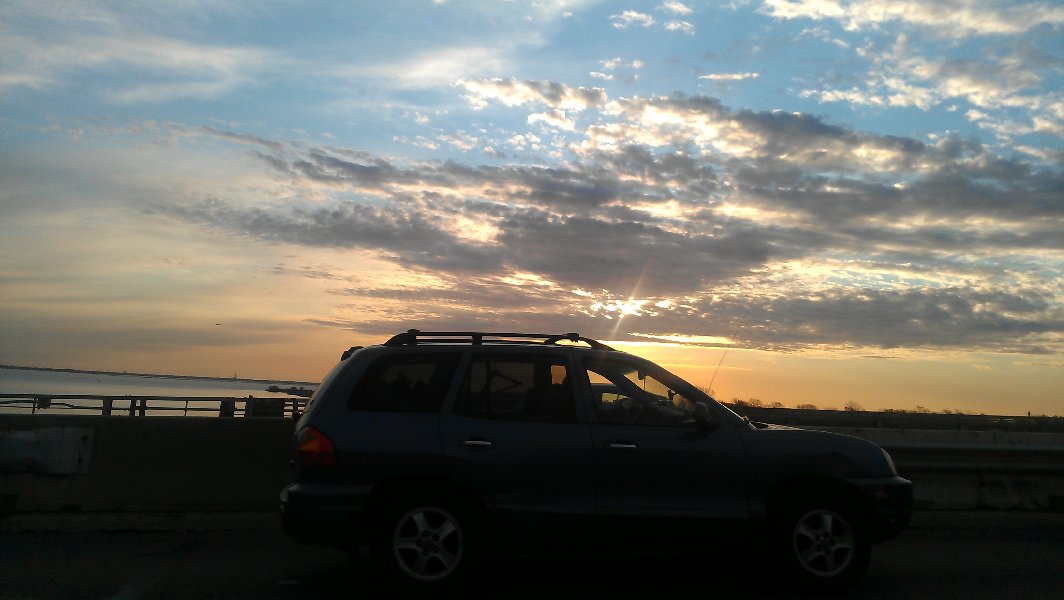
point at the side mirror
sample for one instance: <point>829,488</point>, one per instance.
<point>704,419</point>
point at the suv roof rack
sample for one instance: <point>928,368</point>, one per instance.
<point>413,337</point>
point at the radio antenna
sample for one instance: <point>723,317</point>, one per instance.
<point>714,378</point>
<point>731,336</point>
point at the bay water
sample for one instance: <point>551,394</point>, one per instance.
<point>32,382</point>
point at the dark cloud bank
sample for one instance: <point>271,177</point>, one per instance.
<point>932,245</point>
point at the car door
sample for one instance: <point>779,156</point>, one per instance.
<point>517,435</point>
<point>660,474</point>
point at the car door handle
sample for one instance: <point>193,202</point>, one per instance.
<point>478,444</point>
<point>622,446</point>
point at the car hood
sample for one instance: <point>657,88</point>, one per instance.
<point>778,447</point>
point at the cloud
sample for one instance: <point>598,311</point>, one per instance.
<point>627,256</point>
<point>948,18</point>
<point>462,43</point>
<point>631,18</point>
<point>543,204</point>
<point>918,318</point>
<point>243,137</point>
<point>511,92</point>
<point>68,44</point>
<point>553,118</point>
<point>589,252</point>
<point>686,217</point>
<point>680,26</point>
<point>405,235</point>
<point>777,161</point>
<point>436,67</point>
<point>1000,88</point>
<point>703,123</point>
<point>677,8</point>
<point>170,69</point>
<point>922,319</point>
<point>729,76</point>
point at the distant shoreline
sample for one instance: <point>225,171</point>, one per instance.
<point>155,375</point>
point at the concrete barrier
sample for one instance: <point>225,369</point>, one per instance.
<point>156,464</point>
<point>964,470</point>
<point>96,463</point>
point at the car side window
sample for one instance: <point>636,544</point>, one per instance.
<point>405,383</point>
<point>624,394</point>
<point>517,388</point>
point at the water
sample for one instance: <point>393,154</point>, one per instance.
<point>54,383</point>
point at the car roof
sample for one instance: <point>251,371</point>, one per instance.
<point>415,337</point>
<point>484,339</point>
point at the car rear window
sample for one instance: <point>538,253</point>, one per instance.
<point>405,383</point>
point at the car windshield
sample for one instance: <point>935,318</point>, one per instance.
<point>632,392</point>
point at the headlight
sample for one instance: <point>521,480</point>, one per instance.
<point>890,462</point>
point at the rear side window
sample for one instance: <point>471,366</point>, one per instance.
<point>518,388</point>
<point>405,383</point>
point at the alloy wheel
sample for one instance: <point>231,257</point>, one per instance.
<point>428,543</point>
<point>823,542</point>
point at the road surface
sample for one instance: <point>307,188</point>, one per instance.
<point>944,555</point>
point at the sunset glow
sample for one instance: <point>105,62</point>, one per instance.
<point>859,201</point>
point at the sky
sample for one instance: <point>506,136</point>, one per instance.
<point>798,201</point>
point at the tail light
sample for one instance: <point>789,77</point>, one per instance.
<point>314,449</point>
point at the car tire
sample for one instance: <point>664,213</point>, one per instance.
<point>427,541</point>
<point>821,541</point>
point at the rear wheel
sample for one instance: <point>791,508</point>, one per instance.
<point>822,542</point>
<point>428,542</point>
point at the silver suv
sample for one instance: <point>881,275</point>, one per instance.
<point>436,448</point>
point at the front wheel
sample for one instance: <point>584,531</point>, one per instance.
<point>822,543</point>
<point>427,543</point>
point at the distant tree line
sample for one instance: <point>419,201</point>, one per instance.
<point>851,406</point>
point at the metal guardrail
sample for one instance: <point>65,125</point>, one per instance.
<point>143,406</point>
<point>251,406</point>
<point>797,417</point>
<point>971,476</point>
<point>987,459</point>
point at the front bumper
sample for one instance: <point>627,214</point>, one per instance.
<point>889,502</point>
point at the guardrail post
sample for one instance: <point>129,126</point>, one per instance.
<point>227,408</point>
<point>41,402</point>
<point>143,405</point>
<point>107,404</point>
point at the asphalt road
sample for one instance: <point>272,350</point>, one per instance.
<point>943,555</point>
